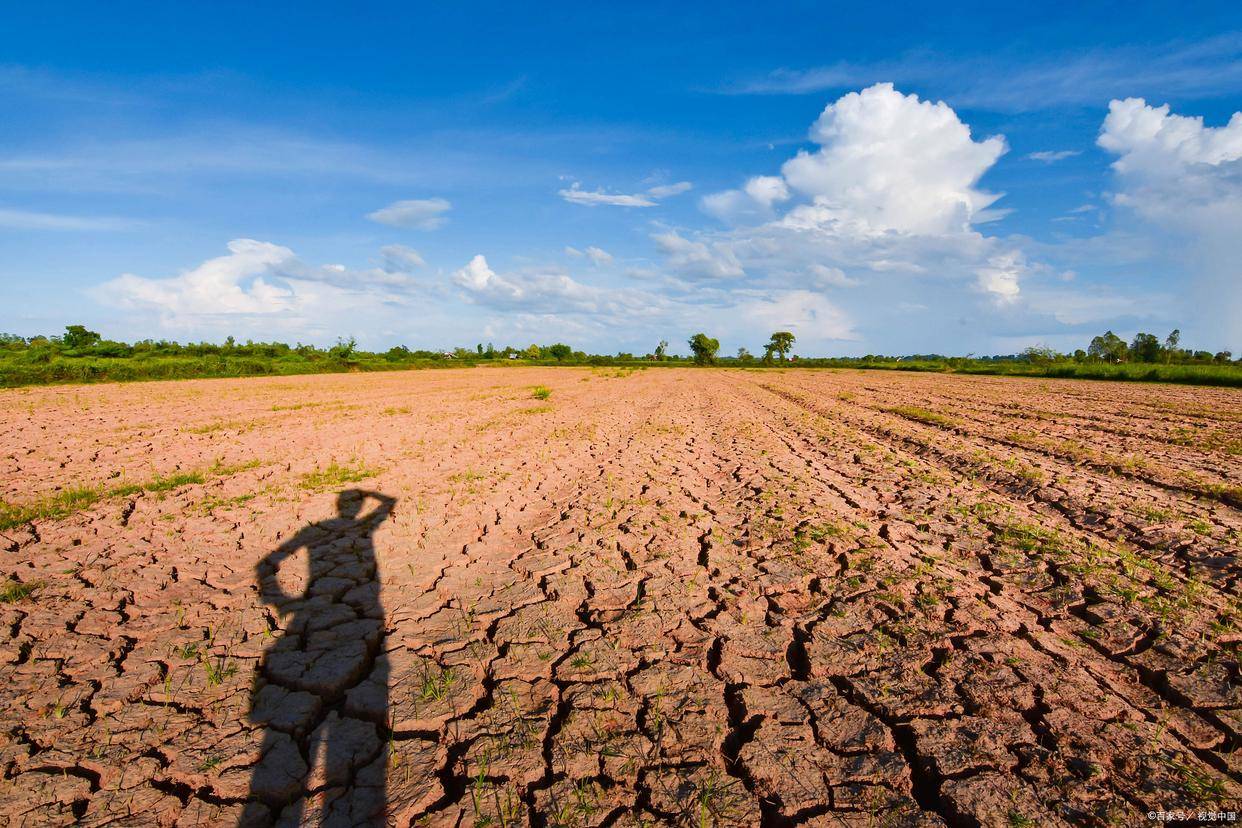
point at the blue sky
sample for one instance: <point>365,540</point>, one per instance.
<point>877,179</point>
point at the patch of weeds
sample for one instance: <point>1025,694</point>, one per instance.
<point>1154,515</point>
<point>218,669</point>
<point>822,531</point>
<point>541,392</point>
<point>1016,819</point>
<point>68,501</point>
<point>335,475</point>
<point>210,763</point>
<point>1199,526</point>
<point>922,415</point>
<point>221,469</point>
<point>714,800</point>
<point>467,476</point>
<point>392,411</point>
<point>1223,492</point>
<point>13,591</point>
<point>1025,471</point>
<point>240,426</point>
<point>173,481</point>
<point>437,686</point>
<point>296,406</point>
<point>1200,786</point>
<point>1029,538</point>
<point>62,504</point>
<point>1129,463</point>
<point>210,504</point>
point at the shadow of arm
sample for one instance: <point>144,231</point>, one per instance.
<point>269,590</point>
<point>382,511</point>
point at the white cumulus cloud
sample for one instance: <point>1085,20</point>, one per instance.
<point>893,162</point>
<point>232,284</point>
<point>891,193</point>
<point>1149,138</point>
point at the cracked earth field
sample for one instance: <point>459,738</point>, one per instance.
<point>656,597</point>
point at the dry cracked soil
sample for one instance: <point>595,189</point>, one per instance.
<point>664,596</point>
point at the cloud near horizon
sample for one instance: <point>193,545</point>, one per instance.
<point>1182,182</point>
<point>259,285</point>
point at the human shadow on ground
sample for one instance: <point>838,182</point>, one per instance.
<point>321,692</point>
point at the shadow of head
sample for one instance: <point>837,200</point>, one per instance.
<point>349,503</point>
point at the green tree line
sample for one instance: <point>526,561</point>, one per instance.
<point>83,355</point>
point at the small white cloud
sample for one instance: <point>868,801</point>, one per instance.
<point>576,195</point>
<point>1148,138</point>
<point>25,220</point>
<point>649,198</point>
<point>667,190</point>
<point>598,256</point>
<point>1052,156</point>
<point>574,253</point>
<point>1001,276</point>
<point>754,202</point>
<point>767,190</point>
<point>416,213</point>
<point>399,258</point>
<point>477,276</point>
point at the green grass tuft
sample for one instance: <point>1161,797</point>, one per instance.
<point>62,504</point>
<point>13,591</point>
<point>337,475</point>
<point>923,415</point>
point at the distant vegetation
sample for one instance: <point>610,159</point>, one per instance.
<point>81,355</point>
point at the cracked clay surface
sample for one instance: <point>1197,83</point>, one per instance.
<point>664,596</point>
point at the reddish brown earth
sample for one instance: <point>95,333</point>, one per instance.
<point>667,596</point>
